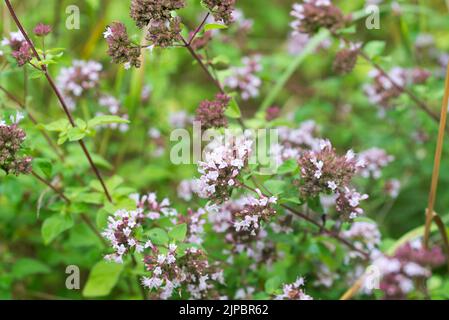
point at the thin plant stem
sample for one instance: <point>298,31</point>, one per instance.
<point>442,228</point>
<point>198,29</point>
<point>437,162</point>
<point>352,291</point>
<point>58,94</point>
<point>51,186</point>
<point>202,65</point>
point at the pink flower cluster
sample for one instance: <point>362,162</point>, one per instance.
<point>20,49</point>
<point>114,108</point>
<point>121,49</point>
<point>294,291</point>
<point>385,89</point>
<point>195,221</point>
<point>375,159</point>
<point>152,209</point>
<point>244,79</point>
<point>12,138</point>
<point>325,172</point>
<point>78,79</point>
<point>315,14</point>
<point>211,114</point>
<point>363,235</point>
<point>120,233</point>
<point>410,263</point>
<point>224,159</point>
<point>175,268</point>
<point>294,142</point>
<point>246,235</point>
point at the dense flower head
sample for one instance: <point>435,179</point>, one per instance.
<point>374,159</point>
<point>120,233</point>
<point>245,235</point>
<point>294,291</point>
<point>312,15</point>
<point>384,89</point>
<point>23,55</point>
<point>190,270</point>
<point>144,11</point>
<point>78,79</point>
<point>12,137</point>
<point>121,50</point>
<point>346,59</point>
<point>410,263</point>
<point>224,159</point>
<point>164,34</point>
<point>244,78</point>
<point>163,28</point>
<point>42,30</point>
<point>211,114</point>
<point>222,10</point>
<point>253,212</point>
<point>324,171</point>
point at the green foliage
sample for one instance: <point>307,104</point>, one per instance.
<point>102,279</point>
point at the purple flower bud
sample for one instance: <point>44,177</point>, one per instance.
<point>211,113</point>
<point>42,30</point>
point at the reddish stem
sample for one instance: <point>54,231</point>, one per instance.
<point>44,69</point>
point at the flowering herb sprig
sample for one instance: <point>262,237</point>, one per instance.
<point>12,138</point>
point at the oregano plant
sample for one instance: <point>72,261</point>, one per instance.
<point>174,149</point>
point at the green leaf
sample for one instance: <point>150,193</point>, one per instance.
<point>80,123</point>
<point>214,26</point>
<point>105,119</point>
<point>75,134</point>
<point>58,125</point>
<point>158,236</point>
<point>26,266</point>
<point>374,48</point>
<point>272,284</point>
<point>54,226</point>
<point>294,200</point>
<point>102,279</point>
<point>43,166</point>
<point>288,166</point>
<point>233,110</point>
<point>275,186</point>
<point>315,204</point>
<point>178,232</point>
